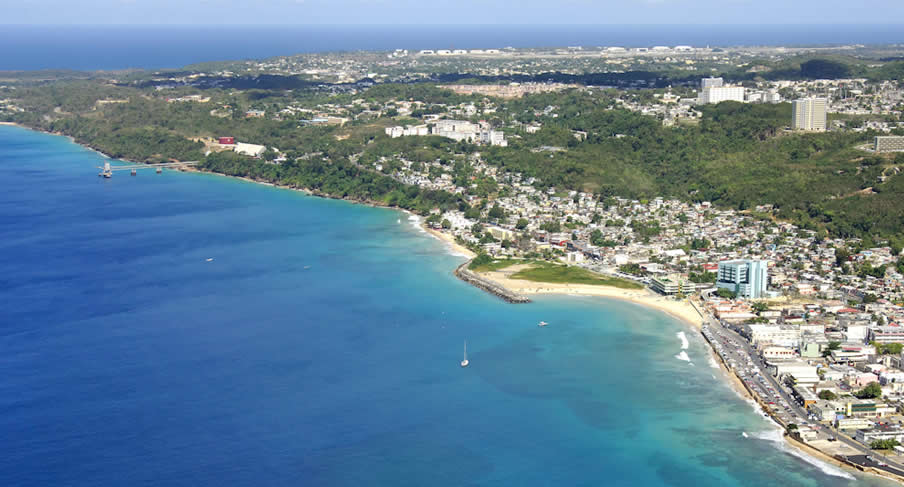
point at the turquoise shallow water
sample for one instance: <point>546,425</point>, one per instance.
<point>320,346</point>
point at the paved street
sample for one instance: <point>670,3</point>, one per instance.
<point>744,360</point>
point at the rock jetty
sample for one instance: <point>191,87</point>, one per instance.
<point>487,285</point>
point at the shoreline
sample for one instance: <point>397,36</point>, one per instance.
<point>450,240</point>
<point>684,311</point>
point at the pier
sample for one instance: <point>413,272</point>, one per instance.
<point>107,169</point>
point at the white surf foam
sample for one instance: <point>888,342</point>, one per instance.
<point>683,356</point>
<point>713,363</point>
<point>756,407</point>
<point>744,434</point>
<point>775,436</point>
<point>684,343</point>
<point>416,222</point>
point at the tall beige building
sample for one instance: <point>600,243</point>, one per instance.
<point>808,114</point>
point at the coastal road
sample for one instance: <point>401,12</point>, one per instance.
<point>870,461</point>
<point>738,351</point>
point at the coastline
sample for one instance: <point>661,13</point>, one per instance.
<point>681,310</point>
<point>450,240</point>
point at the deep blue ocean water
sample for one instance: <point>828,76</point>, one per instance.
<point>28,47</point>
<point>321,347</point>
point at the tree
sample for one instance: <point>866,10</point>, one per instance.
<point>888,348</point>
<point>596,237</point>
<point>871,391</point>
<point>791,427</point>
<point>841,256</point>
<point>884,444</point>
<point>480,260</point>
<point>522,223</point>
<point>446,224</point>
<point>870,298</point>
<point>496,212</point>
<point>727,294</point>
<point>827,395</point>
<point>760,307</point>
<point>633,269</point>
<point>831,347</point>
<point>702,277</point>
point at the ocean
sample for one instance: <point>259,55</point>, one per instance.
<point>105,47</point>
<point>192,329</point>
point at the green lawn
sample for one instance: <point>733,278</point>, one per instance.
<point>544,272</point>
<point>495,265</point>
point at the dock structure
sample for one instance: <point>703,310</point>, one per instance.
<point>107,169</point>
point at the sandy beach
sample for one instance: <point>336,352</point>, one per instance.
<point>449,239</point>
<point>679,309</point>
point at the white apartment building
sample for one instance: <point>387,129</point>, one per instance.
<point>808,114</point>
<point>710,83</point>
<point>717,94</point>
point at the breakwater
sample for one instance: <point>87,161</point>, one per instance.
<point>487,285</point>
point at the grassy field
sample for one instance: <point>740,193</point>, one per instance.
<point>495,265</point>
<point>545,272</point>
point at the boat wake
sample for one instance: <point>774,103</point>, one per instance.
<point>684,343</point>
<point>775,436</point>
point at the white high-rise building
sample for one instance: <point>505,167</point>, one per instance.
<point>716,94</point>
<point>746,278</point>
<point>808,114</point>
<point>710,83</point>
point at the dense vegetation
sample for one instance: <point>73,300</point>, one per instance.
<point>738,155</point>
<point>336,178</point>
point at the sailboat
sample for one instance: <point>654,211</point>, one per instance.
<point>464,363</point>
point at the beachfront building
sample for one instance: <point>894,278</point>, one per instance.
<point>808,114</point>
<point>672,284</point>
<point>746,278</point>
<point>777,335</point>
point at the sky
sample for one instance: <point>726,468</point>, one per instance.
<point>244,12</point>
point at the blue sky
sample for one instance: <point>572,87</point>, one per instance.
<point>219,12</point>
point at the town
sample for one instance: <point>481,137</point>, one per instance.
<point>811,322</point>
